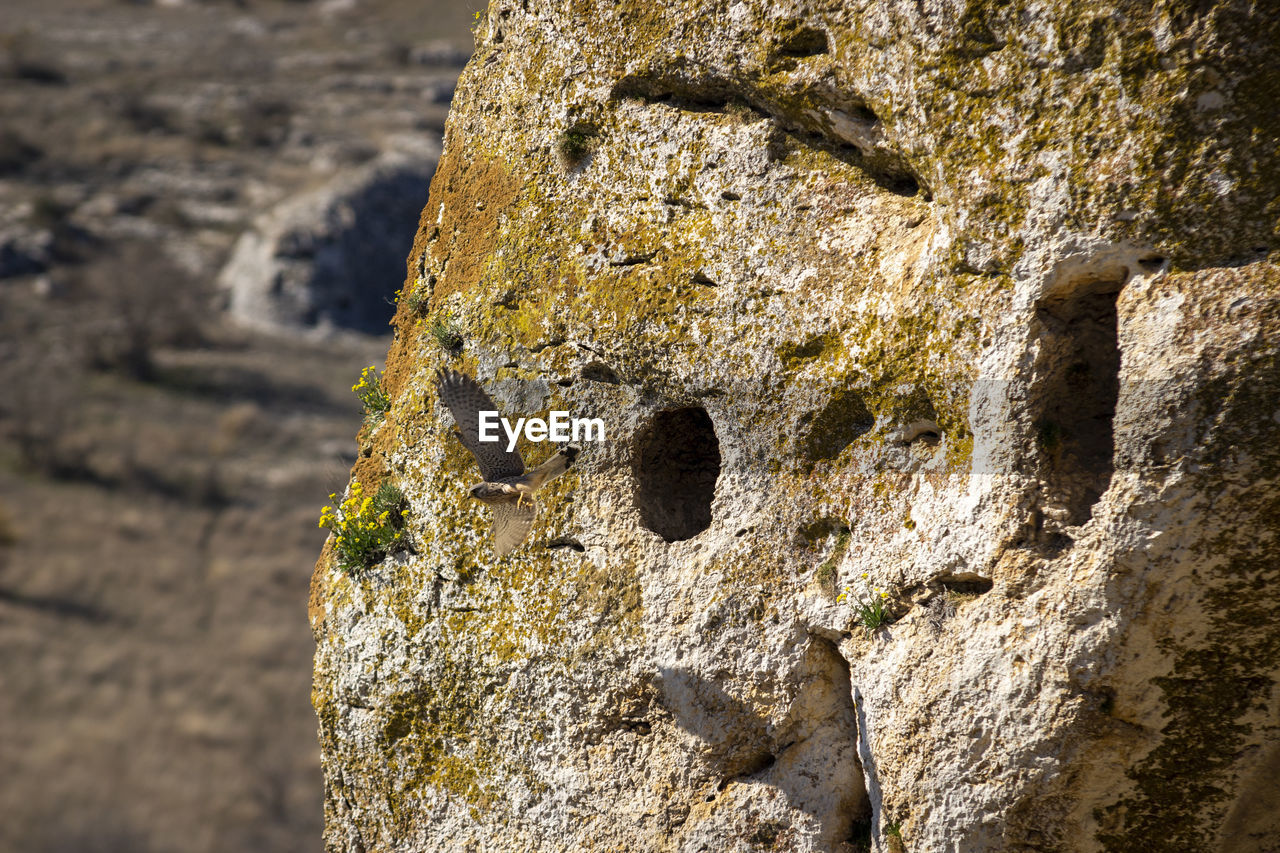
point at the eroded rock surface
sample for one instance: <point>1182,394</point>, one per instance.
<point>972,304</point>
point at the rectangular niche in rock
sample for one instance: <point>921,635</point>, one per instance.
<point>1073,398</point>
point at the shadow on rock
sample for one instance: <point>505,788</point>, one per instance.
<point>809,755</point>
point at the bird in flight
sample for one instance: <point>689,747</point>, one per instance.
<point>506,487</point>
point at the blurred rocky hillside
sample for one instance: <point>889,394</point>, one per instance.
<point>204,212</point>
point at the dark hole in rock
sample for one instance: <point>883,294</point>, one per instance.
<point>598,371</point>
<point>965,583</point>
<point>860,832</point>
<point>889,172</point>
<point>566,542</point>
<point>701,95</point>
<point>853,820</point>
<point>841,421</point>
<point>804,41</point>
<point>702,278</point>
<point>730,196</point>
<point>1152,263</point>
<point>862,112</point>
<point>904,185</point>
<point>1078,376</point>
<point>759,764</point>
<point>922,431</point>
<point>677,463</point>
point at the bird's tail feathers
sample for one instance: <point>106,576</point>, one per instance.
<point>555,466</point>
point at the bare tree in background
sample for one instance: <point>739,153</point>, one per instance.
<point>140,300</point>
<point>109,314</point>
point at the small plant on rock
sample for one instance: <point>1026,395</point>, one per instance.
<point>574,145</point>
<point>366,527</point>
<point>417,298</point>
<point>371,393</point>
<point>827,572</point>
<point>893,837</point>
<point>446,333</point>
<point>869,607</point>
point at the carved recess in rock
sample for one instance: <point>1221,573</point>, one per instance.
<point>1075,387</point>
<point>677,463</point>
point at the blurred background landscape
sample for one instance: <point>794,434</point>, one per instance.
<point>205,209</point>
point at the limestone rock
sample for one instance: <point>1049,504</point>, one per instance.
<point>971,306</point>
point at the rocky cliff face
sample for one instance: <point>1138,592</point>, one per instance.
<point>969,309</point>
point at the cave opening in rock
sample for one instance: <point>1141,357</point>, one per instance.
<point>677,463</point>
<point>1078,379</point>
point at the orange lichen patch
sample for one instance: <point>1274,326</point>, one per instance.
<point>459,226</point>
<point>399,368</point>
<point>319,593</point>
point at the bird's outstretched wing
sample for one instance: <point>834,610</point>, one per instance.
<point>466,399</point>
<point>511,524</point>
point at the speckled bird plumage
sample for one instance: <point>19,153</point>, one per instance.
<point>506,487</point>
